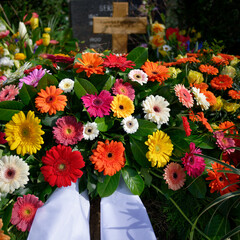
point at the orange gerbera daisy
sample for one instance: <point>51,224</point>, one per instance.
<point>220,60</point>
<point>50,101</point>
<point>208,69</point>
<point>234,94</point>
<point>90,63</point>
<point>226,56</point>
<point>204,121</point>
<point>220,180</point>
<point>156,72</point>
<point>192,116</point>
<point>221,82</point>
<point>228,127</point>
<point>108,157</point>
<point>202,86</point>
<point>169,64</point>
<point>188,59</point>
<point>210,97</point>
<point>194,55</point>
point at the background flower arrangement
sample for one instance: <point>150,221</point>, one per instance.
<point>170,126</point>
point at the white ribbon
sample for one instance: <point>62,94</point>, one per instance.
<point>64,216</point>
<point>124,217</point>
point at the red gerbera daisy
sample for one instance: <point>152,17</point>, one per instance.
<point>234,94</point>
<point>220,180</point>
<point>121,62</point>
<point>62,166</point>
<point>156,72</point>
<point>60,58</point>
<point>221,82</point>
<point>186,126</point>
<point>32,68</point>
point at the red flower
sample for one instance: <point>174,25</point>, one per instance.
<point>2,139</point>
<point>233,156</point>
<point>171,31</point>
<point>32,68</point>
<point>57,58</point>
<point>186,126</point>
<point>114,61</point>
<point>62,166</point>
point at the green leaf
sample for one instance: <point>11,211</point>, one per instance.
<point>104,123</point>
<point>51,120</point>
<point>201,141</point>
<point>139,56</point>
<point>27,94</point>
<point>46,81</point>
<point>134,182</point>
<point>231,233</point>
<point>111,80</point>
<point>36,34</point>
<point>8,109</point>
<point>146,175</point>
<point>145,128</point>
<point>109,185</point>
<point>198,188</point>
<point>79,55</point>
<point>139,150</point>
<point>83,86</point>
<point>7,217</point>
<point>39,50</point>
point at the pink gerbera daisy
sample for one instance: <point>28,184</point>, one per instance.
<point>33,78</point>
<point>174,175</point>
<point>24,210</point>
<point>68,131</point>
<point>8,93</point>
<point>224,143</point>
<point>2,139</point>
<point>194,165</point>
<point>184,95</point>
<point>123,88</point>
<point>121,62</point>
<point>98,105</point>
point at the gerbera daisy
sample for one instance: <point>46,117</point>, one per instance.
<point>208,69</point>
<point>228,127</point>
<point>23,133</point>
<point>62,166</point>
<point>219,60</point>
<point>24,210</point>
<point>122,106</point>
<point>221,82</point>
<point>223,142</point>
<point>121,62</point>
<point>226,56</point>
<point>130,124</point>
<point>156,109</point>
<point>2,235</point>
<point>27,71</point>
<point>68,131</point>
<point>200,99</point>
<point>210,97</point>
<point>139,76</point>
<point>187,59</point>
<point>66,85</point>
<point>90,131</point>
<point>60,58</point>
<point>194,165</point>
<point>13,173</point>
<point>166,48</point>
<point>123,88</point>
<point>174,175</point>
<point>156,72</point>
<point>202,86</point>
<point>50,100</point>
<point>220,180</point>
<point>233,156</point>
<point>186,126</point>
<point>234,94</point>
<point>108,157</point>
<point>2,139</point>
<point>184,95</point>
<point>8,93</point>
<point>160,149</point>
<point>90,63</point>
<point>98,105</point>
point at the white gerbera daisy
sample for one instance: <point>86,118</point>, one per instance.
<point>166,48</point>
<point>200,99</point>
<point>156,109</point>
<point>90,131</point>
<point>66,85</point>
<point>130,124</point>
<point>139,76</point>
<point>13,173</point>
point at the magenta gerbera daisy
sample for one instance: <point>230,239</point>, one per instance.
<point>98,105</point>
<point>123,88</point>
<point>8,93</point>
<point>194,165</point>
<point>184,95</point>
<point>68,131</point>
<point>33,77</point>
<point>223,142</point>
<point>24,210</point>
<point>121,62</point>
<point>2,138</point>
<point>174,175</point>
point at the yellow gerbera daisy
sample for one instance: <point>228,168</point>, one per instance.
<point>24,133</point>
<point>160,149</point>
<point>122,106</point>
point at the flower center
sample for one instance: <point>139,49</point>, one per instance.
<point>66,85</point>
<point>7,94</point>
<point>110,155</point>
<point>122,90</point>
<point>90,66</point>
<point>25,131</point>
<point>157,148</point>
<point>220,179</point>
<point>10,173</point>
<point>154,72</point>
<point>121,107</point>
<point>27,211</point>
<point>156,109</point>
<point>50,99</point>
<point>137,76</point>
<point>129,124</point>
<point>97,102</point>
<point>68,130</point>
<point>175,175</point>
<point>191,160</point>
<point>88,130</point>
<point>61,166</point>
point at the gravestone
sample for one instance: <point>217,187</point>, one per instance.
<point>82,13</point>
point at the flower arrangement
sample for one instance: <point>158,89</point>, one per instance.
<point>97,117</point>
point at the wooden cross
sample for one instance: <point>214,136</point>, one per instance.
<point>119,25</point>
